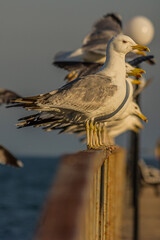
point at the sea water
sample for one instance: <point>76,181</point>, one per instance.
<point>22,195</point>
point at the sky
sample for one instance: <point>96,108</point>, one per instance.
<point>31,33</point>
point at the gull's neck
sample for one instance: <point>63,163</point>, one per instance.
<point>114,64</point>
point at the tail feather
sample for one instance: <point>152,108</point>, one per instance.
<point>41,119</point>
<point>26,99</point>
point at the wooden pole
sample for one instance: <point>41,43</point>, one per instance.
<point>82,201</point>
<point>135,184</point>
<point>135,149</point>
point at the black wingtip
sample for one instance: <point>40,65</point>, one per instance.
<point>138,60</point>
<point>115,17</point>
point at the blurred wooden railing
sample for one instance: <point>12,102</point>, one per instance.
<point>85,202</point>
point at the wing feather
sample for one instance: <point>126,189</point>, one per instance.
<point>83,95</point>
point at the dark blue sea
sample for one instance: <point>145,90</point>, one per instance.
<point>22,194</point>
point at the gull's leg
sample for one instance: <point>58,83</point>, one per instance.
<point>101,143</point>
<point>99,135</point>
<point>88,135</point>
<point>96,136</point>
<point>91,134</point>
<point>104,134</point>
<point>102,137</point>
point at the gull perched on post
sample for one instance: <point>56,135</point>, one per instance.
<point>128,120</point>
<point>114,129</point>
<point>89,100</point>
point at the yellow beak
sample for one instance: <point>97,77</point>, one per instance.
<point>141,48</point>
<point>136,72</point>
<point>136,82</point>
<point>142,117</point>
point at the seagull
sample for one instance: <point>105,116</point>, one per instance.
<point>91,56</point>
<point>6,96</point>
<point>131,122</point>
<point>127,120</point>
<point>91,99</point>
<point>7,158</point>
<point>95,43</point>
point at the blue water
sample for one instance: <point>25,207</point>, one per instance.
<point>22,194</point>
<point>152,162</point>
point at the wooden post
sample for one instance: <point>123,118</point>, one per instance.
<point>135,149</point>
<point>82,204</point>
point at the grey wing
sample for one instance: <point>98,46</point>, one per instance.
<point>96,41</point>
<point>8,159</point>
<point>6,96</point>
<point>103,30</point>
<point>84,95</point>
<point>110,21</point>
<point>65,57</point>
<point>70,66</point>
<point>89,69</point>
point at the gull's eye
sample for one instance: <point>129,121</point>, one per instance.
<point>124,41</point>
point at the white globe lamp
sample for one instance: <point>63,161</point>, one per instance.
<point>140,29</point>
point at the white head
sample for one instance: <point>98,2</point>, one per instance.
<point>134,109</point>
<point>124,44</point>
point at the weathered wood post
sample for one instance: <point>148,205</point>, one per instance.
<point>85,202</point>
